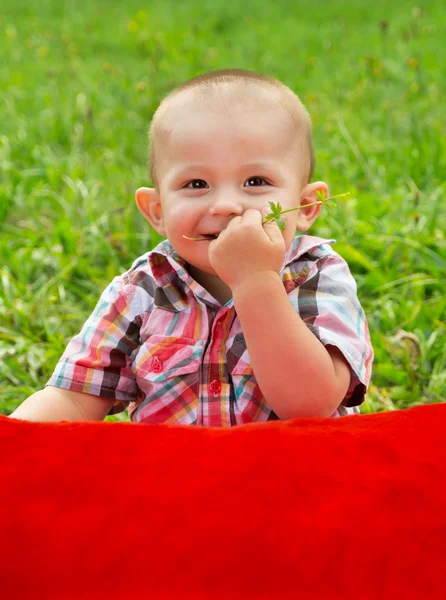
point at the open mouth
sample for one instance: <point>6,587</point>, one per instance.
<point>204,237</point>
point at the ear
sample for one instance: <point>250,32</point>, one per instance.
<point>307,216</point>
<point>149,204</point>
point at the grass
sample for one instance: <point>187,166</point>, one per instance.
<point>80,81</point>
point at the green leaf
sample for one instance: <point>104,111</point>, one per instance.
<point>276,208</point>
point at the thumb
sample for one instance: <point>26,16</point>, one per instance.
<point>267,211</point>
<point>271,227</point>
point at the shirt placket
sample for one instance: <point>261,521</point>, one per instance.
<point>217,384</point>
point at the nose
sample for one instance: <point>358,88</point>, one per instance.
<point>227,204</point>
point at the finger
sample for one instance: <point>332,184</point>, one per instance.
<point>252,216</point>
<point>234,221</point>
<point>271,228</point>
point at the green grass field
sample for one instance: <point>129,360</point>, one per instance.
<point>80,81</point>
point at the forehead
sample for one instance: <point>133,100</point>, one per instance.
<point>228,126</point>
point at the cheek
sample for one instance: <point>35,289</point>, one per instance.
<point>290,230</point>
<point>182,218</point>
<point>288,237</point>
<point>292,219</point>
<point>180,211</point>
<point>176,216</point>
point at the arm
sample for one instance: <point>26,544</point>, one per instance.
<point>298,376</point>
<point>57,404</point>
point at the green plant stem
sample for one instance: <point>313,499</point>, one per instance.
<point>282,212</point>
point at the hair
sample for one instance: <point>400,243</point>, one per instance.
<point>209,83</point>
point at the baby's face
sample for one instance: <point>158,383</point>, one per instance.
<point>215,164</point>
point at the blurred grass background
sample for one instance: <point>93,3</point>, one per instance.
<point>80,81</point>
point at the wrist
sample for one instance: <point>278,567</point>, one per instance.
<point>255,282</point>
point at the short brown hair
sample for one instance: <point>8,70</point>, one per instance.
<point>209,81</point>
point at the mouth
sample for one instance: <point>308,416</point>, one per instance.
<point>205,237</point>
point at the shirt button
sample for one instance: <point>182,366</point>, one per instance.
<point>157,365</point>
<point>215,387</point>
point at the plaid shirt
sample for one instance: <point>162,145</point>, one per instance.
<point>163,346</point>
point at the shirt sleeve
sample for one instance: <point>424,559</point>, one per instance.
<point>327,302</point>
<point>99,359</point>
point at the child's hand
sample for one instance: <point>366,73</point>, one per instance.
<point>246,247</point>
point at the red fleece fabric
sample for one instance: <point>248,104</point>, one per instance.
<point>308,508</point>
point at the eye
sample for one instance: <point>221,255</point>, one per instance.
<point>196,184</point>
<point>256,182</point>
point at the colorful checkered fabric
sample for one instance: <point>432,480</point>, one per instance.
<point>163,346</point>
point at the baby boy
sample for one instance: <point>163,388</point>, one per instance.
<point>229,320</point>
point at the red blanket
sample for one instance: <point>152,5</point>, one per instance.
<point>308,508</point>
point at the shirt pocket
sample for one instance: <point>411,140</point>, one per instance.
<point>250,405</point>
<point>161,358</point>
<point>243,381</point>
<point>244,385</point>
<point>167,371</point>
<point>238,360</point>
<point>242,369</point>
